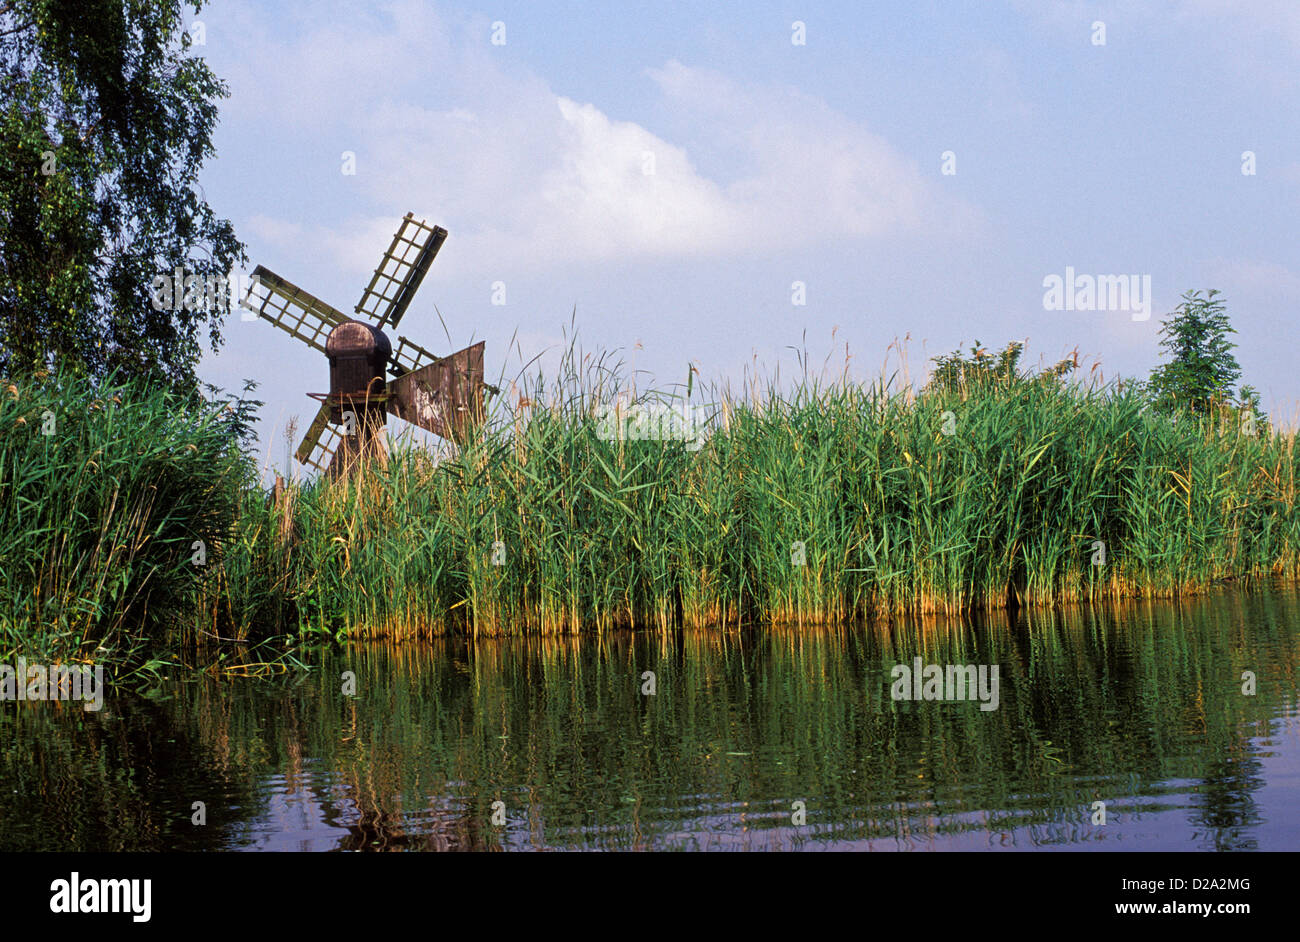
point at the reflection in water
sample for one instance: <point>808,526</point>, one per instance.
<point>1140,708</point>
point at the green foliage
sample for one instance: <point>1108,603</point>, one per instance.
<point>105,120</point>
<point>1199,376</point>
<point>961,498</point>
<point>982,371</point>
<point>98,517</point>
<point>1253,418</point>
<point>895,514</point>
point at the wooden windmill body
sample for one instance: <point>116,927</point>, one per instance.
<point>443,395</point>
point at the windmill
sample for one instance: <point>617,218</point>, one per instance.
<point>443,395</point>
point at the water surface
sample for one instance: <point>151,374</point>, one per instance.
<point>1140,707</point>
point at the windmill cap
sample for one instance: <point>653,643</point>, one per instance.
<point>358,339</point>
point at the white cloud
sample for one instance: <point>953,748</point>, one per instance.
<point>535,179</point>
<point>329,64</point>
<point>525,178</point>
<point>811,172</point>
<point>281,233</point>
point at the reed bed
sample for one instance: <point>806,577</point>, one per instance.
<point>105,489</point>
<point>827,502</point>
<point>821,502</point>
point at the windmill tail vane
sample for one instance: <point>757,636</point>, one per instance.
<point>443,395</point>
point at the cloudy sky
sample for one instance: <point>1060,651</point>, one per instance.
<point>672,170</point>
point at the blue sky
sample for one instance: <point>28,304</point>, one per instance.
<point>773,163</point>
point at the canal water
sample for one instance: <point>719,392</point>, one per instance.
<point>1130,728</point>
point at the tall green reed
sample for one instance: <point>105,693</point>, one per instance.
<point>115,501</point>
<point>826,502</point>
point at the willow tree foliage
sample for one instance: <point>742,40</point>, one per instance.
<point>106,117</point>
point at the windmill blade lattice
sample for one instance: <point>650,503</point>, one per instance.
<point>409,356</point>
<point>317,447</point>
<point>400,272</point>
<point>295,311</point>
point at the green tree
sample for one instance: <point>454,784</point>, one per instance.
<point>106,117</point>
<point>1201,370</point>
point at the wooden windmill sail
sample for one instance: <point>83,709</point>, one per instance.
<point>369,378</point>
